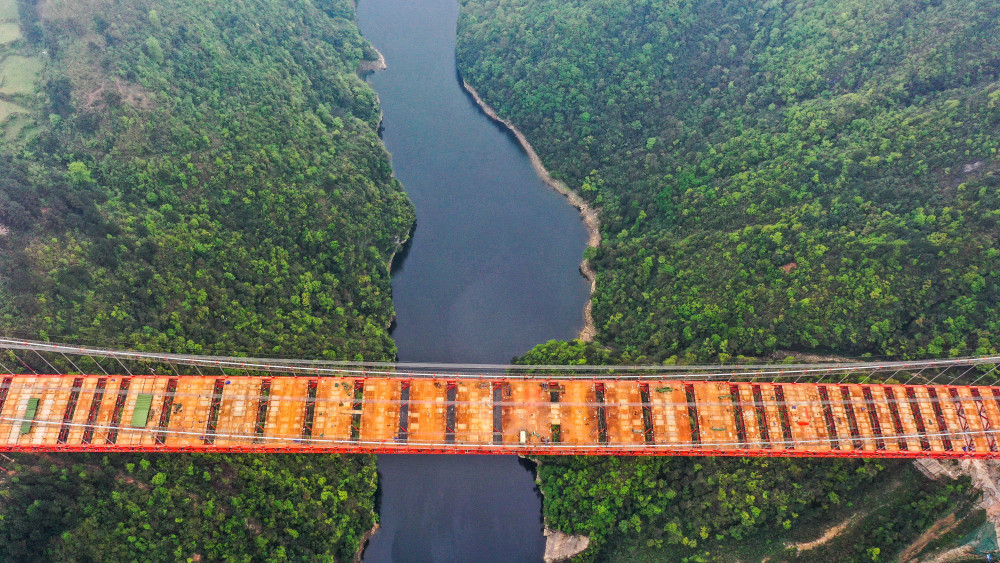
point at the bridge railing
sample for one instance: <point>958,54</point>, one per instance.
<point>21,356</point>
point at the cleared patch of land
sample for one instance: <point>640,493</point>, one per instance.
<point>827,536</point>
<point>8,109</point>
<point>9,32</point>
<point>19,74</point>
<point>19,126</point>
<point>9,29</point>
<point>8,10</point>
<point>940,527</point>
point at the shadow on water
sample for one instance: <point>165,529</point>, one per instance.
<point>492,271</point>
<point>400,258</point>
<point>499,125</point>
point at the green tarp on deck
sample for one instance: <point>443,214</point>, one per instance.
<point>141,414</point>
<point>29,415</point>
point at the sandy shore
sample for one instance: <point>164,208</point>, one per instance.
<point>586,211</point>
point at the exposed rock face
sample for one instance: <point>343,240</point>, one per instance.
<point>933,469</point>
<point>372,66</point>
<point>985,474</point>
<point>562,547</point>
<point>360,555</point>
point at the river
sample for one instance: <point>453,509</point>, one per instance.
<point>492,270</point>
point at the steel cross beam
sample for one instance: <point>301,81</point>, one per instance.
<point>246,413</point>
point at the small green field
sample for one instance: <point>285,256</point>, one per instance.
<point>8,109</point>
<point>20,127</point>
<point>18,74</point>
<point>9,32</point>
<point>8,10</point>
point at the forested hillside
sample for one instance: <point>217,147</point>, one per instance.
<point>739,509</point>
<point>192,175</point>
<point>209,175</point>
<point>173,507</point>
<point>771,177</point>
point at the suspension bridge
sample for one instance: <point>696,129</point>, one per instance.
<point>67,398</point>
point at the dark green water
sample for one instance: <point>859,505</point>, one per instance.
<point>492,271</point>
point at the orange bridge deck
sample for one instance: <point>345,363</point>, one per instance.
<point>494,416</point>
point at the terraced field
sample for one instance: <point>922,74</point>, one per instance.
<point>9,29</point>
<point>19,74</point>
<point>8,10</point>
<point>9,32</point>
<point>8,109</point>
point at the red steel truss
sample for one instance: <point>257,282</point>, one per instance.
<point>494,415</point>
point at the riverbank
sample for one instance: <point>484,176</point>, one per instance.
<point>360,555</point>
<point>559,546</point>
<point>365,67</point>
<point>491,272</point>
<point>589,214</point>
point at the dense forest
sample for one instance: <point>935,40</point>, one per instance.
<point>209,175</point>
<point>703,509</point>
<point>192,175</point>
<point>712,508</point>
<point>770,175</point>
<point>205,175</point>
<point>772,178</point>
<point>170,507</point>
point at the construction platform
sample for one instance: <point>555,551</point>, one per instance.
<point>494,416</point>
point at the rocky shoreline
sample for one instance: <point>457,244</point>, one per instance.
<point>365,68</point>
<point>364,542</point>
<point>563,547</point>
<point>559,546</point>
<point>589,214</point>
<point>371,66</point>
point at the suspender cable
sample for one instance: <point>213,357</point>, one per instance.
<point>985,374</point>
<point>75,367</point>
<point>54,370</point>
<point>915,376</point>
<point>99,365</point>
